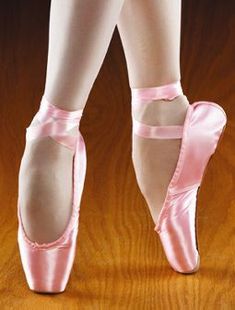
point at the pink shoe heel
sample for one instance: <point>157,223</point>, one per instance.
<point>201,132</point>
<point>47,266</point>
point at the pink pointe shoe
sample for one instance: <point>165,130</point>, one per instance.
<point>47,266</point>
<point>202,129</point>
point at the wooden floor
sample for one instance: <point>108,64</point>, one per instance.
<point>120,263</point>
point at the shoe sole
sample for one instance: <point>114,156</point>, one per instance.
<point>196,224</point>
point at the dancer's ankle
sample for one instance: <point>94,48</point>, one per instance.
<point>163,112</point>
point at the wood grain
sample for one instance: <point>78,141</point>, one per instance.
<point>120,263</point>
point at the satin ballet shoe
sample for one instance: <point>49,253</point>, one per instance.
<point>200,134</point>
<point>47,266</point>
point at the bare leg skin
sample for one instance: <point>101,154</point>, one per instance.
<point>79,36</point>
<point>151,42</point>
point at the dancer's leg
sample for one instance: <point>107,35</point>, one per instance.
<point>150,33</point>
<point>80,32</point>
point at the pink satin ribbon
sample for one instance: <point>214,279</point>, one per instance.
<point>154,132</point>
<point>55,122</point>
<point>168,92</point>
<point>142,96</point>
